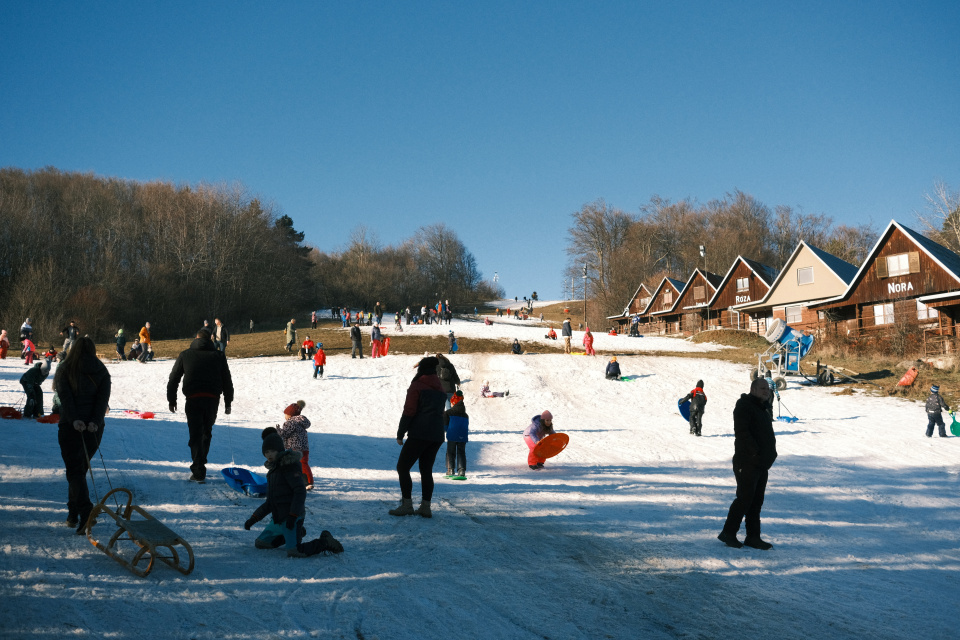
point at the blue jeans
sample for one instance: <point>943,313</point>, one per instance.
<point>221,346</point>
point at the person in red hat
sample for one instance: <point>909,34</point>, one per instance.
<point>294,434</point>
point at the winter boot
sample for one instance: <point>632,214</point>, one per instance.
<point>506,393</point>
<point>82,520</point>
<point>424,509</point>
<point>405,508</point>
<point>757,543</point>
<point>729,539</point>
<point>329,543</point>
<point>449,473</point>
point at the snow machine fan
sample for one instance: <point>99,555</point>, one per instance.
<point>787,347</point>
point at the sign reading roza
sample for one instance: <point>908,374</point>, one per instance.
<point>741,299</point>
<point>899,287</point>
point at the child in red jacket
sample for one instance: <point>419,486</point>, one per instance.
<point>319,359</point>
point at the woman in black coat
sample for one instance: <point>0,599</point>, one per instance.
<point>82,384</point>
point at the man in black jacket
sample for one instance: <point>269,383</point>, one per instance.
<point>205,377</point>
<point>755,449</point>
<point>355,338</point>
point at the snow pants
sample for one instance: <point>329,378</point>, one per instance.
<point>932,419</point>
<point>317,368</point>
<point>33,407</point>
<point>3,353</point>
<point>305,466</point>
<point>457,456</point>
<point>531,458</point>
<point>375,349</point>
<point>751,486</point>
<point>277,534</point>
<point>75,463</point>
<point>28,357</point>
<point>201,414</point>
<point>696,422</point>
<point>414,450</point>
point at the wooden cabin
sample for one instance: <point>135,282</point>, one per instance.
<point>663,300</point>
<point>810,276</point>
<point>907,281</point>
<point>637,305</point>
<point>746,281</point>
<point>693,306</point>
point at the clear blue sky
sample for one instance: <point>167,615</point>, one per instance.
<point>499,119</point>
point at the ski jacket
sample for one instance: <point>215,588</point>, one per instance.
<point>4,340</point>
<point>457,423</point>
<point>121,341</point>
<point>36,374</point>
<point>355,333</point>
<point>613,369</point>
<point>697,398</point>
<point>205,373</point>
<point>28,345</point>
<point>308,344</point>
<point>144,335</point>
<point>516,348</point>
<point>755,444</point>
<point>291,331</point>
<point>294,433</point>
<point>286,489</point>
<point>88,402</point>
<point>422,416</point>
<point>375,335</point>
<point>566,330</point>
<point>26,331</point>
<point>320,358</point>
<point>588,339</point>
<point>935,404</point>
<point>537,430</point>
<point>449,379</point>
<point>72,333</point>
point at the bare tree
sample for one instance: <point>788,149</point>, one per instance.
<point>942,216</point>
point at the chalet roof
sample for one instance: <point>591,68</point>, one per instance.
<point>765,273</point>
<point>712,279</point>
<point>673,282</point>
<point>626,309</point>
<point>839,267</point>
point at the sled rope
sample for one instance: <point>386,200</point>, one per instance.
<point>90,470</point>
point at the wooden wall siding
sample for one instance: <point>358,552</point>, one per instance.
<point>729,295</point>
<point>639,303</point>
<point>659,304</point>
<point>688,299</point>
<point>930,278</point>
<point>809,319</point>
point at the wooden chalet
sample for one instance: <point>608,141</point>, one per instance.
<point>810,276</point>
<point>907,280</point>
<point>746,281</point>
<point>689,313</point>
<point>664,299</point>
<point>637,305</point>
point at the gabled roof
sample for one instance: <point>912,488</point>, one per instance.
<point>766,274</point>
<point>948,260</point>
<point>840,268</point>
<point>626,309</point>
<point>712,279</point>
<point>673,282</point>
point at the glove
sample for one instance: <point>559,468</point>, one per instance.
<point>226,409</point>
<point>249,523</point>
<point>291,521</point>
<point>173,407</point>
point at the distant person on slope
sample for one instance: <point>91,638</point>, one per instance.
<point>486,393</point>
<point>613,369</point>
<point>934,407</point>
<point>698,402</point>
<point>457,425</point>
<point>567,332</point>
<point>588,343</point>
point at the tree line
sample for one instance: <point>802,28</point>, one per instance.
<point>623,249</point>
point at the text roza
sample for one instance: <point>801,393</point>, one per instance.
<point>899,287</point>
<point>741,299</point>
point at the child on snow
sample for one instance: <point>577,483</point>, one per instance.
<point>294,434</point>
<point>319,359</point>
<point>486,393</point>
<point>934,407</point>
<point>29,351</point>
<point>515,347</point>
<point>588,343</point>
<point>4,344</point>
<point>613,369</point>
<point>698,402</point>
<point>286,496</point>
<point>136,349</point>
<point>457,425</point>
<point>540,427</point>
<point>306,349</point>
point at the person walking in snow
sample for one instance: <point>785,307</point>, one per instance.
<point>613,369</point>
<point>319,359</point>
<point>452,341</point>
<point>588,343</point>
<point>206,375</point>
<point>456,422</point>
<point>567,332</point>
<point>290,333</point>
<point>146,349</point>
<point>294,434</point>
<point>355,341</point>
<point>935,406</point>
<point>755,450</point>
<point>70,334</point>
<point>121,344</point>
<point>540,427</point>
<point>29,351</point>
<point>286,498</point>
<point>221,337</point>
<point>82,383</point>
<point>698,402</point>
<point>422,422</point>
<point>376,341</point>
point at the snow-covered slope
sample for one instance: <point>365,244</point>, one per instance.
<point>616,538</point>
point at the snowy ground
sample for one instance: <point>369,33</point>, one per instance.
<point>616,538</point>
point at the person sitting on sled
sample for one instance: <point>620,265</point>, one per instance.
<point>540,427</point>
<point>551,335</point>
<point>613,369</point>
<point>486,393</point>
<point>286,495</point>
<point>515,347</point>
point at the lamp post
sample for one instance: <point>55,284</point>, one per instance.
<point>706,286</point>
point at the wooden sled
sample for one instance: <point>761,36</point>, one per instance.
<point>147,533</point>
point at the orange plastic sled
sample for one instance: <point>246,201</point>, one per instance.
<point>551,445</point>
<point>10,413</point>
<point>908,377</point>
<point>386,346</point>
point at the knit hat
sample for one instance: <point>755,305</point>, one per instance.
<point>119,332</point>
<point>457,398</point>
<point>935,389</point>
<point>700,383</point>
<point>546,416</point>
<point>295,408</point>
<point>319,345</point>
<point>613,359</point>
<point>271,441</point>
<point>427,365</point>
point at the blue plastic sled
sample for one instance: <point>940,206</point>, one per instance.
<point>250,483</point>
<point>787,419</point>
<point>684,408</point>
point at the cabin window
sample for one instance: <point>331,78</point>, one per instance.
<point>667,297</point>
<point>900,264</point>
<point>743,284</point>
<point>926,313</point>
<point>805,275</point>
<point>883,313</point>
<point>698,293</point>
<point>794,314</point>
<point>643,303</point>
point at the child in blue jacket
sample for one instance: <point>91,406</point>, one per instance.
<point>457,425</point>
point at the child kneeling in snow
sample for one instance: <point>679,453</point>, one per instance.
<point>286,495</point>
<point>540,427</point>
<point>486,393</point>
<point>294,434</point>
<point>457,425</point>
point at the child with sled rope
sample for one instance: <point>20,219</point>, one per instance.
<point>286,494</point>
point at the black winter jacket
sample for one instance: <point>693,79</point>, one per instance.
<point>204,371</point>
<point>89,402</point>
<point>286,490</point>
<point>755,444</point>
<point>422,416</point>
<point>355,334</point>
<point>935,404</point>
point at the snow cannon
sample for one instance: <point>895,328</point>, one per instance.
<point>787,347</point>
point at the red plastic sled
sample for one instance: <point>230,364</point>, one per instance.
<point>10,413</point>
<point>386,346</point>
<point>52,418</point>
<point>908,377</point>
<point>551,445</point>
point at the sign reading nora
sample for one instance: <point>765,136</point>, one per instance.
<point>899,287</point>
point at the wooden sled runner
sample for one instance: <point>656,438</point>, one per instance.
<point>147,534</point>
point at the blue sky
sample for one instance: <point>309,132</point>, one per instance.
<point>499,119</point>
